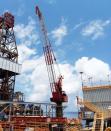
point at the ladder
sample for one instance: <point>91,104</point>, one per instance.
<point>98,124</point>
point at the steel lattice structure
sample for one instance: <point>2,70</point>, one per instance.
<point>8,51</point>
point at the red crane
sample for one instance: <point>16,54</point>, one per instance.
<point>58,96</point>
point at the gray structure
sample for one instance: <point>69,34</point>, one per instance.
<point>98,95</point>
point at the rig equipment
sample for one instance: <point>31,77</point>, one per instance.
<point>9,66</point>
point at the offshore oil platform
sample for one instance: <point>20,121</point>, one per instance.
<point>18,115</point>
<point>15,113</point>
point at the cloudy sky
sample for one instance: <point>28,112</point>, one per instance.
<point>80,33</point>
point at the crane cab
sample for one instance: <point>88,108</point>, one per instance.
<point>57,97</point>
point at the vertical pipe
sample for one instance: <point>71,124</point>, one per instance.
<point>46,110</point>
<point>9,118</point>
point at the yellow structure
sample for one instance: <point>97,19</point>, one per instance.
<point>97,102</point>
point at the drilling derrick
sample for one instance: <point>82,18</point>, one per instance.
<point>9,67</point>
<point>58,95</point>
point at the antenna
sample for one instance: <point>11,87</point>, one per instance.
<point>108,78</point>
<point>90,81</point>
<point>81,73</point>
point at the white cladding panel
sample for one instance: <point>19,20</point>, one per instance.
<point>10,66</point>
<point>99,95</point>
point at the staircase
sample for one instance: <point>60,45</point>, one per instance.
<point>92,107</point>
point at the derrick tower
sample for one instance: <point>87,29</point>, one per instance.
<point>9,66</point>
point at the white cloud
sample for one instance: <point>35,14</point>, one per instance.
<point>28,37</point>
<point>95,29</point>
<point>78,25</point>
<point>59,33</point>
<point>27,33</point>
<point>93,67</point>
<point>40,83</point>
<point>25,52</point>
<point>71,81</point>
<point>23,31</point>
<point>37,87</point>
<point>29,65</point>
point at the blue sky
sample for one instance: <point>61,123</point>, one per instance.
<point>80,35</point>
<point>73,12</point>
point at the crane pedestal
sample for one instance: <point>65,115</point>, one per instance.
<point>59,110</point>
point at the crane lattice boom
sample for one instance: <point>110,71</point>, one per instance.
<point>58,96</point>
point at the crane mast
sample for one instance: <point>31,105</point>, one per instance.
<point>58,96</point>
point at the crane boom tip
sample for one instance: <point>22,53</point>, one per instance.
<point>38,12</point>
